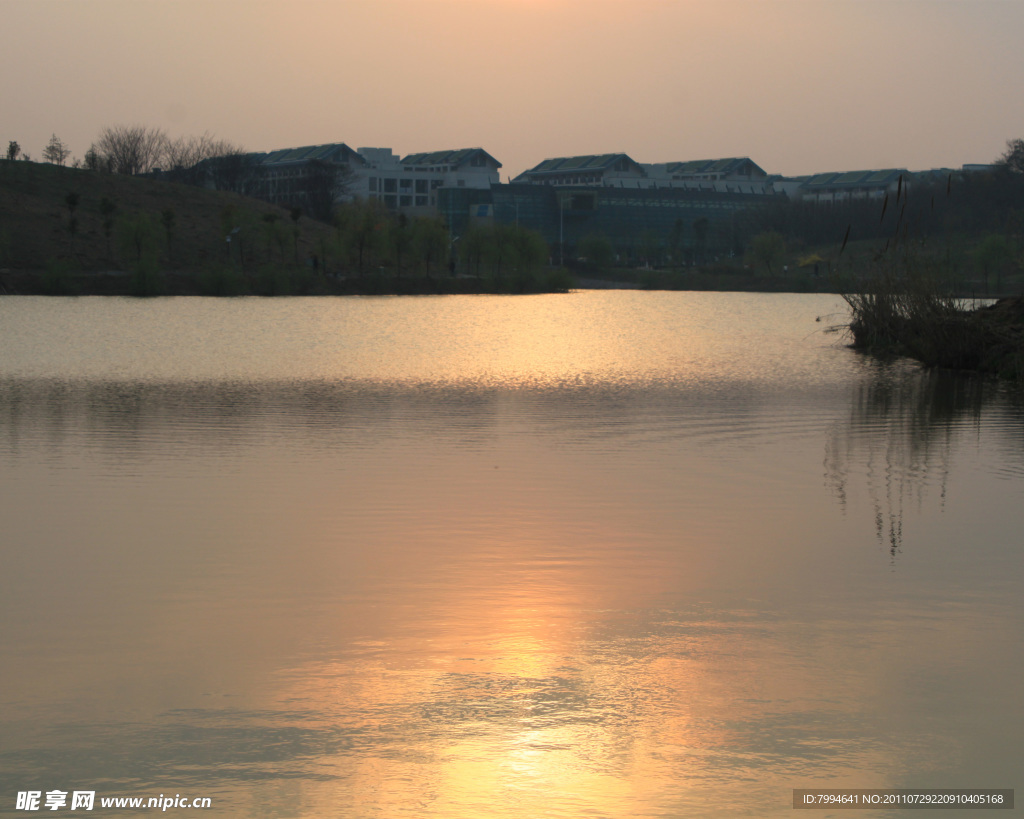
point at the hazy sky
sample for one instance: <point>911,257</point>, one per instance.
<point>800,86</point>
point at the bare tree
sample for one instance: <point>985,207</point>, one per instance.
<point>1013,157</point>
<point>131,149</point>
<point>188,158</point>
<point>232,171</point>
<point>56,152</point>
<point>187,152</point>
<point>183,153</point>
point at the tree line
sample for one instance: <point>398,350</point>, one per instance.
<point>135,149</point>
<point>195,160</point>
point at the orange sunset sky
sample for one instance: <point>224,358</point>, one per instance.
<point>800,86</point>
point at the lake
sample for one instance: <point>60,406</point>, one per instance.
<point>599,554</point>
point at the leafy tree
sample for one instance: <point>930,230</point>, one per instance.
<point>650,247</point>
<point>107,211</point>
<point>675,242</point>
<point>430,243</point>
<point>71,200</point>
<point>597,250</point>
<point>138,240</point>
<point>167,217</point>
<point>56,152</point>
<point>231,226</point>
<point>400,239</point>
<point>497,247</point>
<point>700,236</point>
<point>274,234</point>
<point>5,250</point>
<point>94,162</point>
<point>505,249</point>
<point>13,149</point>
<point>137,237</point>
<point>472,249</point>
<point>994,253</point>
<point>531,251</point>
<point>361,230</point>
<point>768,248</point>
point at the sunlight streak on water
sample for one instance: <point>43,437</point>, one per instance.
<point>586,339</point>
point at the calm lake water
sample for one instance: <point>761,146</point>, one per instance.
<point>604,554</point>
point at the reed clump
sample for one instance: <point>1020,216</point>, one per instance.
<point>909,307</point>
<point>905,310</point>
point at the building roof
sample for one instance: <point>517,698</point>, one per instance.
<point>577,164</point>
<point>855,179</point>
<point>700,167</point>
<point>935,174</point>
<point>332,152</point>
<point>449,158</point>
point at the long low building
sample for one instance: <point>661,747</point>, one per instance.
<point>845,186</point>
<point>688,211</point>
<point>317,177</point>
<point>732,175</point>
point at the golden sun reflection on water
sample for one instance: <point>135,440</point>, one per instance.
<point>493,694</point>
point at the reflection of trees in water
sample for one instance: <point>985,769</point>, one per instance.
<point>902,434</point>
<point>145,418</point>
<point>138,417</point>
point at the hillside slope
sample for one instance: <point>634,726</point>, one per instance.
<point>181,229</point>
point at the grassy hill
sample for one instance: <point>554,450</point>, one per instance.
<point>173,232</point>
<point>66,231</point>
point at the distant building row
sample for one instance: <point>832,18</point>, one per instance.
<point>411,183</point>
<point>690,206</point>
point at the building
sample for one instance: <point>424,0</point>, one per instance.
<point>733,175</point>
<point>831,188</point>
<point>313,177</point>
<point>680,210</point>
<point>600,169</point>
<point>410,185</point>
<point>316,177</point>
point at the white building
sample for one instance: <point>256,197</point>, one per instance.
<point>296,176</point>
<point>410,185</point>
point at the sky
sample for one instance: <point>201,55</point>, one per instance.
<point>799,86</point>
